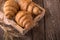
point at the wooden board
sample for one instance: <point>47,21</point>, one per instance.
<point>52,19</point>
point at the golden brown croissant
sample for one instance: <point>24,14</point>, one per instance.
<point>30,6</point>
<point>24,19</point>
<point>10,8</point>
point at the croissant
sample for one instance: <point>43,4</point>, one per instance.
<point>24,19</point>
<point>30,6</point>
<point>10,8</point>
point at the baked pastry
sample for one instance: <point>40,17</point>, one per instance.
<point>10,8</point>
<point>24,19</point>
<point>30,6</point>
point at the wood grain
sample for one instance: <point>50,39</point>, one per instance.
<point>52,19</point>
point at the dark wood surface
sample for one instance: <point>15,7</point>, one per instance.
<point>48,28</point>
<point>52,19</point>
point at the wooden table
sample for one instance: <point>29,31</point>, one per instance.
<point>48,28</point>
